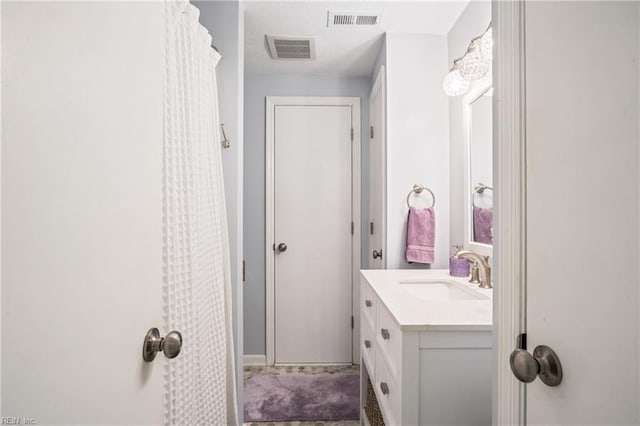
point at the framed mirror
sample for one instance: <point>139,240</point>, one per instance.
<point>478,179</point>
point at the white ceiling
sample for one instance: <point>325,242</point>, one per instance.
<point>339,51</point>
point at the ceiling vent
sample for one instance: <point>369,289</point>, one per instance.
<point>291,47</point>
<point>352,19</point>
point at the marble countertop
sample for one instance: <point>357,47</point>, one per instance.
<point>415,314</point>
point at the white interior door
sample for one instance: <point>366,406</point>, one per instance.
<point>377,173</point>
<point>313,218</point>
<point>82,138</point>
<point>582,136</point>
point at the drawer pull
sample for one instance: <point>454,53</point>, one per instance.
<point>385,334</point>
<point>368,303</point>
<point>384,388</point>
<point>367,344</point>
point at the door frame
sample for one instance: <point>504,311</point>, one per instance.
<point>509,176</point>
<point>271,103</point>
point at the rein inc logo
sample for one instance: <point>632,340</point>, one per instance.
<point>17,421</point>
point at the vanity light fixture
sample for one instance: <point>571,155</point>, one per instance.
<point>474,65</point>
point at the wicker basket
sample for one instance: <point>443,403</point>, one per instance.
<point>372,409</point>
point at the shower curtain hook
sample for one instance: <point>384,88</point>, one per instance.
<point>226,143</point>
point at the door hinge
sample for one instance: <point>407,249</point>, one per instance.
<point>352,134</point>
<point>353,324</point>
<point>352,228</point>
<point>521,341</point>
<point>243,271</point>
<point>371,228</point>
<point>371,132</point>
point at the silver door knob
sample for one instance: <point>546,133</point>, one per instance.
<point>543,363</point>
<point>377,254</point>
<point>282,247</point>
<point>384,387</point>
<point>153,343</point>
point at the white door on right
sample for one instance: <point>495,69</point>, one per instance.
<point>377,173</point>
<point>582,119</point>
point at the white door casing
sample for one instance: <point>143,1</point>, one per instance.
<point>377,171</point>
<point>304,211</point>
<point>574,195</point>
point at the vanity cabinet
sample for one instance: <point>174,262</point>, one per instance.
<point>424,374</point>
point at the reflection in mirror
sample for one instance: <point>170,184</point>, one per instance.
<point>482,216</point>
<point>481,167</point>
<point>478,171</point>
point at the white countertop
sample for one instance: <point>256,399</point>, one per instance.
<point>414,314</point>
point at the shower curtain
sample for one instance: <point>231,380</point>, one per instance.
<point>200,382</point>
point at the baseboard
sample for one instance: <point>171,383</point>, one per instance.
<point>254,360</point>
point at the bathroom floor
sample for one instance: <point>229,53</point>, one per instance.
<point>306,369</point>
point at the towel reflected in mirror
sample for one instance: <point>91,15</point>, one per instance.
<point>483,225</point>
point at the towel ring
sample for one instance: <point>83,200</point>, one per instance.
<point>418,190</point>
<point>479,188</point>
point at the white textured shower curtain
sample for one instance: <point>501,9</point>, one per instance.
<point>200,382</point>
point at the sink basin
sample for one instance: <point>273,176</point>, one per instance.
<point>440,290</point>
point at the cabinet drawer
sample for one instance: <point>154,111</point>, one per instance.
<point>389,338</point>
<point>389,401</point>
<point>368,348</point>
<point>368,304</point>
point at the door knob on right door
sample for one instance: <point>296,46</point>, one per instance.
<point>282,247</point>
<point>544,363</point>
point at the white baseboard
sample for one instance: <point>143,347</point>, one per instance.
<point>254,360</point>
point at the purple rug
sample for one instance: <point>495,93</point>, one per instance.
<point>303,397</point>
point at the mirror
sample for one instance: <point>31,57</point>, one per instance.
<point>478,122</point>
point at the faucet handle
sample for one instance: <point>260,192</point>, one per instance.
<point>475,274</point>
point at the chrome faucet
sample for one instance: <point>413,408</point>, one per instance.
<point>483,264</point>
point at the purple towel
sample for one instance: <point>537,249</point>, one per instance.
<point>482,225</point>
<point>421,235</point>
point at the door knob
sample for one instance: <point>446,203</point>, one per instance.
<point>544,363</point>
<point>153,343</point>
<point>282,247</point>
<point>377,254</point>
<point>384,387</point>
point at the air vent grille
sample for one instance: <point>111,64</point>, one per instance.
<point>367,20</point>
<point>352,19</point>
<point>287,47</point>
<point>343,19</point>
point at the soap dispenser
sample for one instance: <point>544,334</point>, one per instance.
<point>458,267</point>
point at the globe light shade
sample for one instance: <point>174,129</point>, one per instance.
<point>474,65</point>
<point>454,84</point>
<point>486,44</point>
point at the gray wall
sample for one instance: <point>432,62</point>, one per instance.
<point>471,23</point>
<point>417,139</point>
<point>225,22</point>
<point>257,87</point>
<point>381,59</point>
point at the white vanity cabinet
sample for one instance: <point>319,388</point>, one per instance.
<point>436,373</point>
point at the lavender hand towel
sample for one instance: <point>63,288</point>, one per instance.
<point>421,235</point>
<point>482,225</point>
